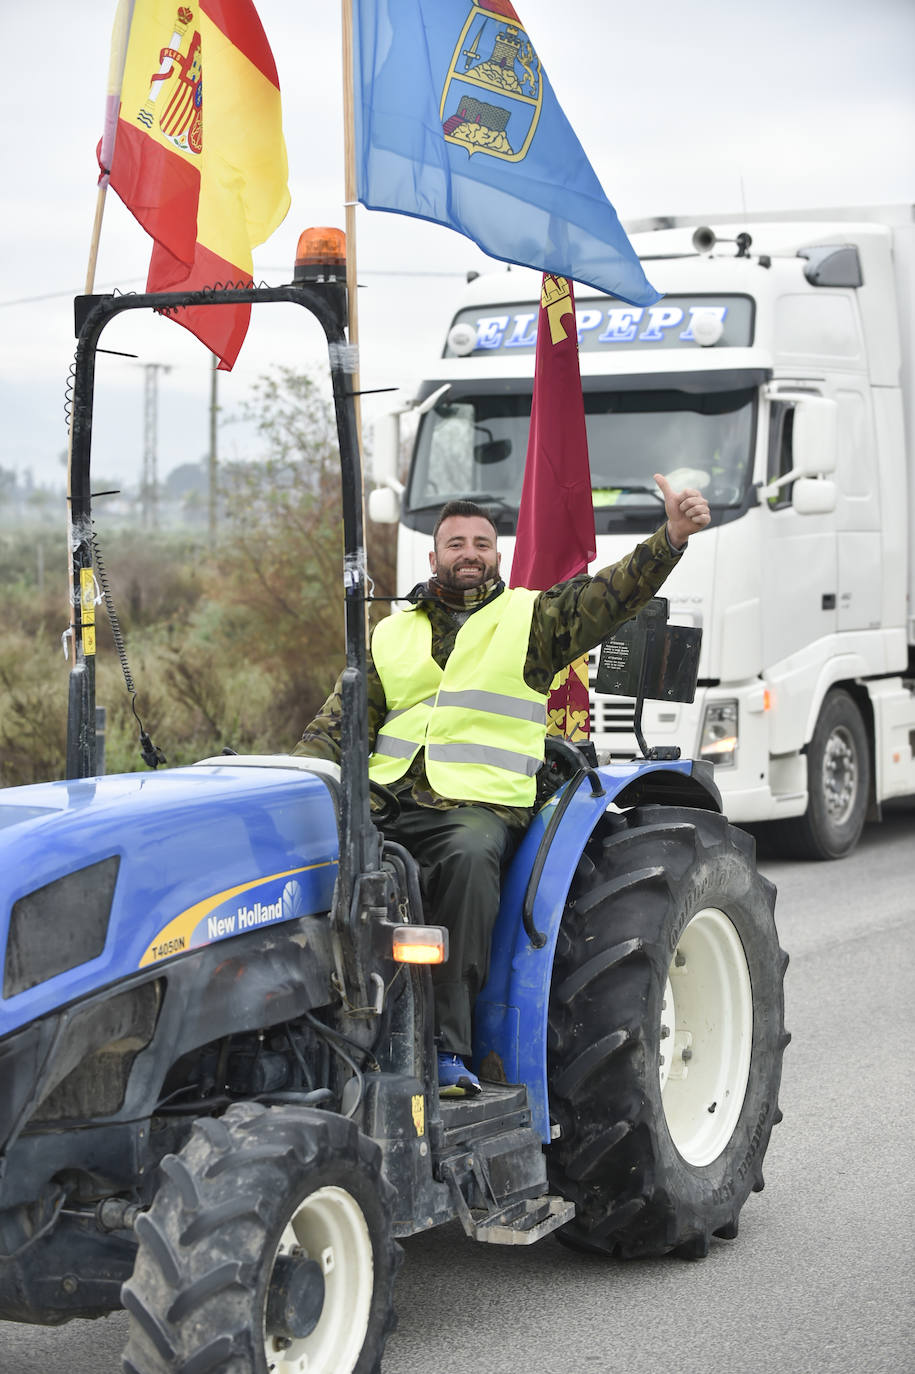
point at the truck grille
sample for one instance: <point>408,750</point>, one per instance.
<point>612,720</point>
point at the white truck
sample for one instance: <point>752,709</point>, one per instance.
<point>776,374</point>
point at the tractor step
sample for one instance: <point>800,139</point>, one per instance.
<point>500,1107</point>
<point>544,1215</point>
<point>492,1160</point>
<point>522,1221</point>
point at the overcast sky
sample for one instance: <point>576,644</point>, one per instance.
<point>680,108</point>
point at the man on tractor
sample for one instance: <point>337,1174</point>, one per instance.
<point>457,687</point>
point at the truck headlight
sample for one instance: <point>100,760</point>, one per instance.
<point>720,734</point>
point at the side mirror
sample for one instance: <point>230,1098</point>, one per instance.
<point>814,496</point>
<point>386,447</point>
<point>384,506</point>
<point>815,439</point>
<point>814,442</point>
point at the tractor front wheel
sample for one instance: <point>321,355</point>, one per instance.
<point>268,1250</point>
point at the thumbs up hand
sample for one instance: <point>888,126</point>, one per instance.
<point>687,511</point>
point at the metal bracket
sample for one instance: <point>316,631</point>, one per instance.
<point>522,1222</point>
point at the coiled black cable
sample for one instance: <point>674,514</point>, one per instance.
<point>152,755</point>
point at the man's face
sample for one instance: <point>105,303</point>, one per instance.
<point>465,552</point>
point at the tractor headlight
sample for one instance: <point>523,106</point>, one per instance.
<point>720,734</point>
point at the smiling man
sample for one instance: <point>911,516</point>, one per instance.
<point>457,689</point>
<point>464,551</point>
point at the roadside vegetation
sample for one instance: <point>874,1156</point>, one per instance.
<point>234,644</point>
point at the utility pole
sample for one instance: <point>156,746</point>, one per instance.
<point>212,484</point>
<point>149,487</point>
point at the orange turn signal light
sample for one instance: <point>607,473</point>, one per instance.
<point>320,255</point>
<point>420,944</point>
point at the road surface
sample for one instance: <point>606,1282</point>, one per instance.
<point>821,1278</point>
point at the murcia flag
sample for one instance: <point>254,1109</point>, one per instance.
<point>456,122</point>
<point>194,148</point>
<point>556,538</point>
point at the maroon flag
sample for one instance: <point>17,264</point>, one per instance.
<point>556,538</point>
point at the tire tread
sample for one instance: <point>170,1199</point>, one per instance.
<point>614,1157</point>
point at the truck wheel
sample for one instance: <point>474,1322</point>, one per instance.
<point>666,1034</point>
<point>838,786</point>
<point>268,1248</point>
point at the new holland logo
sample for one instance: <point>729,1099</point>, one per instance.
<point>290,904</point>
<point>493,91</point>
<point>176,90</point>
<point>280,897</point>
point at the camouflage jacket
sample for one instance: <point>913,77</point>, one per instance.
<point>568,620</point>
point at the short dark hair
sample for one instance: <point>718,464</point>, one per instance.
<point>464,509</point>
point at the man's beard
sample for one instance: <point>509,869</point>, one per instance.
<point>449,579</point>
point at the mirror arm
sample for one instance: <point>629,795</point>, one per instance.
<point>769,489</point>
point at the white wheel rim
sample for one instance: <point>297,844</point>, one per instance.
<point>329,1227</point>
<point>706,1037</point>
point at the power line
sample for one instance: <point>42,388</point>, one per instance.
<point>57,295</point>
<point>363,272</point>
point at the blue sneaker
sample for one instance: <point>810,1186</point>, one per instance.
<point>454,1077</point>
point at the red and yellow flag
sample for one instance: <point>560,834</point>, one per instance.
<point>556,520</point>
<point>198,151</point>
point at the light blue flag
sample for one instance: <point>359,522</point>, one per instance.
<point>456,122</point>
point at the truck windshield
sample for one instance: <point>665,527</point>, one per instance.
<point>474,445</point>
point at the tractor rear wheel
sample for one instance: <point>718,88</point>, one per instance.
<point>267,1250</point>
<point>666,1034</point>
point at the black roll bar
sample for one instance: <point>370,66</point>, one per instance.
<point>359,843</point>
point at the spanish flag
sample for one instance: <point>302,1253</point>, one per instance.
<point>555,538</point>
<point>195,150</point>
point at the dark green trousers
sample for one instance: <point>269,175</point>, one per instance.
<point>461,853</point>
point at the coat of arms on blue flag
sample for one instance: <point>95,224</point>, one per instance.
<point>492,96</point>
<point>456,122</point>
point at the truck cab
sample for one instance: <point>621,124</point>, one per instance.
<point>775,374</point>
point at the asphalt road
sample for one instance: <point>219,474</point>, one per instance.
<point>822,1276</point>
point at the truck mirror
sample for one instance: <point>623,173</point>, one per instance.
<point>814,442</point>
<point>386,447</point>
<point>495,451</point>
<point>814,496</point>
<point>384,506</point>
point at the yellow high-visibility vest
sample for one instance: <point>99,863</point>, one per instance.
<point>481,726</point>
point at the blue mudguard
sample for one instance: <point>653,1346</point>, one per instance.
<point>511,1010</point>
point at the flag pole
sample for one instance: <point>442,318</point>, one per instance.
<point>96,235</point>
<point>118,58</point>
<point>349,192</point>
<point>119,36</point>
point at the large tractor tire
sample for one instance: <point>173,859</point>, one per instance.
<point>268,1250</point>
<point>666,1034</point>
<point>838,786</point>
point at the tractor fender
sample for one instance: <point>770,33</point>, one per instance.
<point>510,1017</point>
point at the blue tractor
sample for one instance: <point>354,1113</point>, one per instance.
<point>219,1106</point>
